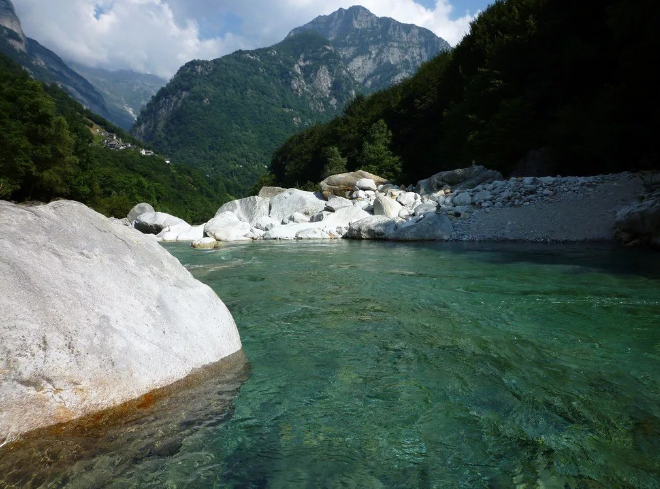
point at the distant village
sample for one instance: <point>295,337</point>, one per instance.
<point>111,141</point>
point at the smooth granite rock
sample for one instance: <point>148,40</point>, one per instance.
<point>249,210</point>
<point>343,184</point>
<point>227,227</point>
<point>155,222</point>
<point>384,206</point>
<point>138,210</point>
<point>294,200</point>
<point>371,227</point>
<point>92,315</point>
<point>431,227</point>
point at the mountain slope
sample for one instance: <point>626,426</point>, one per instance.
<point>378,52</point>
<point>125,92</point>
<point>50,147</point>
<point>46,66</point>
<point>566,87</point>
<point>227,116</point>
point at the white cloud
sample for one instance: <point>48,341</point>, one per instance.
<point>158,36</point>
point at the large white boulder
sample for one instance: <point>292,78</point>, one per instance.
<point>182,232</point>
<point>92,315</point>
<point>249,210</point>
<point>384,206</point>
<point>155,222</point>
<point>227,227</point>
<point>371,227</point>
<point>138,210</point>
<point>430,227</point>
<point>294,200</point>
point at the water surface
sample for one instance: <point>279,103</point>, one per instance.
<point>377,365</point>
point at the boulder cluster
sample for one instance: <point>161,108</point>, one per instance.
<point>360,205</point>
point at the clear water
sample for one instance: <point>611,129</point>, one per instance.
<point>376,365</point>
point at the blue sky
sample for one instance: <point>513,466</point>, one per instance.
<point>158,36</point>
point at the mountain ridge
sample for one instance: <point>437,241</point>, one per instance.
<point>228,115</point>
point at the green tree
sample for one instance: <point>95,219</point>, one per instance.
<point>335,164</point>
<point>376,156</point>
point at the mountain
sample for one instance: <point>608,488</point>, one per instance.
<point>46,66</point>
<point>52,147</point>
<point>125,92</point>
<point>378,51</point>
<point>227,116</point>
<point>515,95</point>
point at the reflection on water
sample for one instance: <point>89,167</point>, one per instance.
<point>380,365</point>
<point>105,449</point>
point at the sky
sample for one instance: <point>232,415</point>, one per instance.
<point>159,36</point>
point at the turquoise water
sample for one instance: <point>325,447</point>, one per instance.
<point>376,365</point>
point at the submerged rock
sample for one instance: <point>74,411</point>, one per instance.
<point>89,323</point>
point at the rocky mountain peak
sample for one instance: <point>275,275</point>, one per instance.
<point>378,51</point>
<point>10,21</point>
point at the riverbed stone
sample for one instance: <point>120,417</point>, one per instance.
<point>431,227</point>
<point>460,179</point>
<point>294,200</point>
<point>138,210</point>
<point>336,203</point>
<point>227,227</point>
<point>384,206</point>
<point>249,209</point>
<point>371,227</point>
<point>155,222</point>
<point>462,199</point>
<point>93,315</point>
<point>343,184</point>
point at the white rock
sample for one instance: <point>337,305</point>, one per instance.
<point>138,210</point>
<point>366,184</point>
<point>336,203</point>
<point>312,233</point>
<point>431,227</point>
<point>296,218</point>
<point>227,227</point>
<point>294,200</point>
<point>205,244</point>
<point>266,223</point>
<point>155,222</point>
<point>407,199</point>
<point>384,206</point>
<point>249,210</point>
<point>372,227</point>
<point>422,209</point>
<point>93,315</point>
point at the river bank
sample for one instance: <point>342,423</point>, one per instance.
<point>469,204</point>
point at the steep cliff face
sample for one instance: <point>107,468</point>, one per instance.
<point>14,32</point>
<point>378,51</point>
<point>45,65</point>
<point>227,116</point>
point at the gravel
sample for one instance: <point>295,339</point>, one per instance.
<point>549,209</point>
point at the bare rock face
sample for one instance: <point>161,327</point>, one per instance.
<point>249,210</point>
<point>92,315</point>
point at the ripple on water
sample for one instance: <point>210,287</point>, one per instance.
<point>384,365</point>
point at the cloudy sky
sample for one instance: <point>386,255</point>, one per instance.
<point>158,36</point>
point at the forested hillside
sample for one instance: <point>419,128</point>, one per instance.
<point>49,149</point>
<point>576,79</point>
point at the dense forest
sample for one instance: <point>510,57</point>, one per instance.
<point>48,150</point>
<point>574,79</point>
<point>227,116</point>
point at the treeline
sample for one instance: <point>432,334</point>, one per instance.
<point>48,151</point>
<point>576,79</point>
